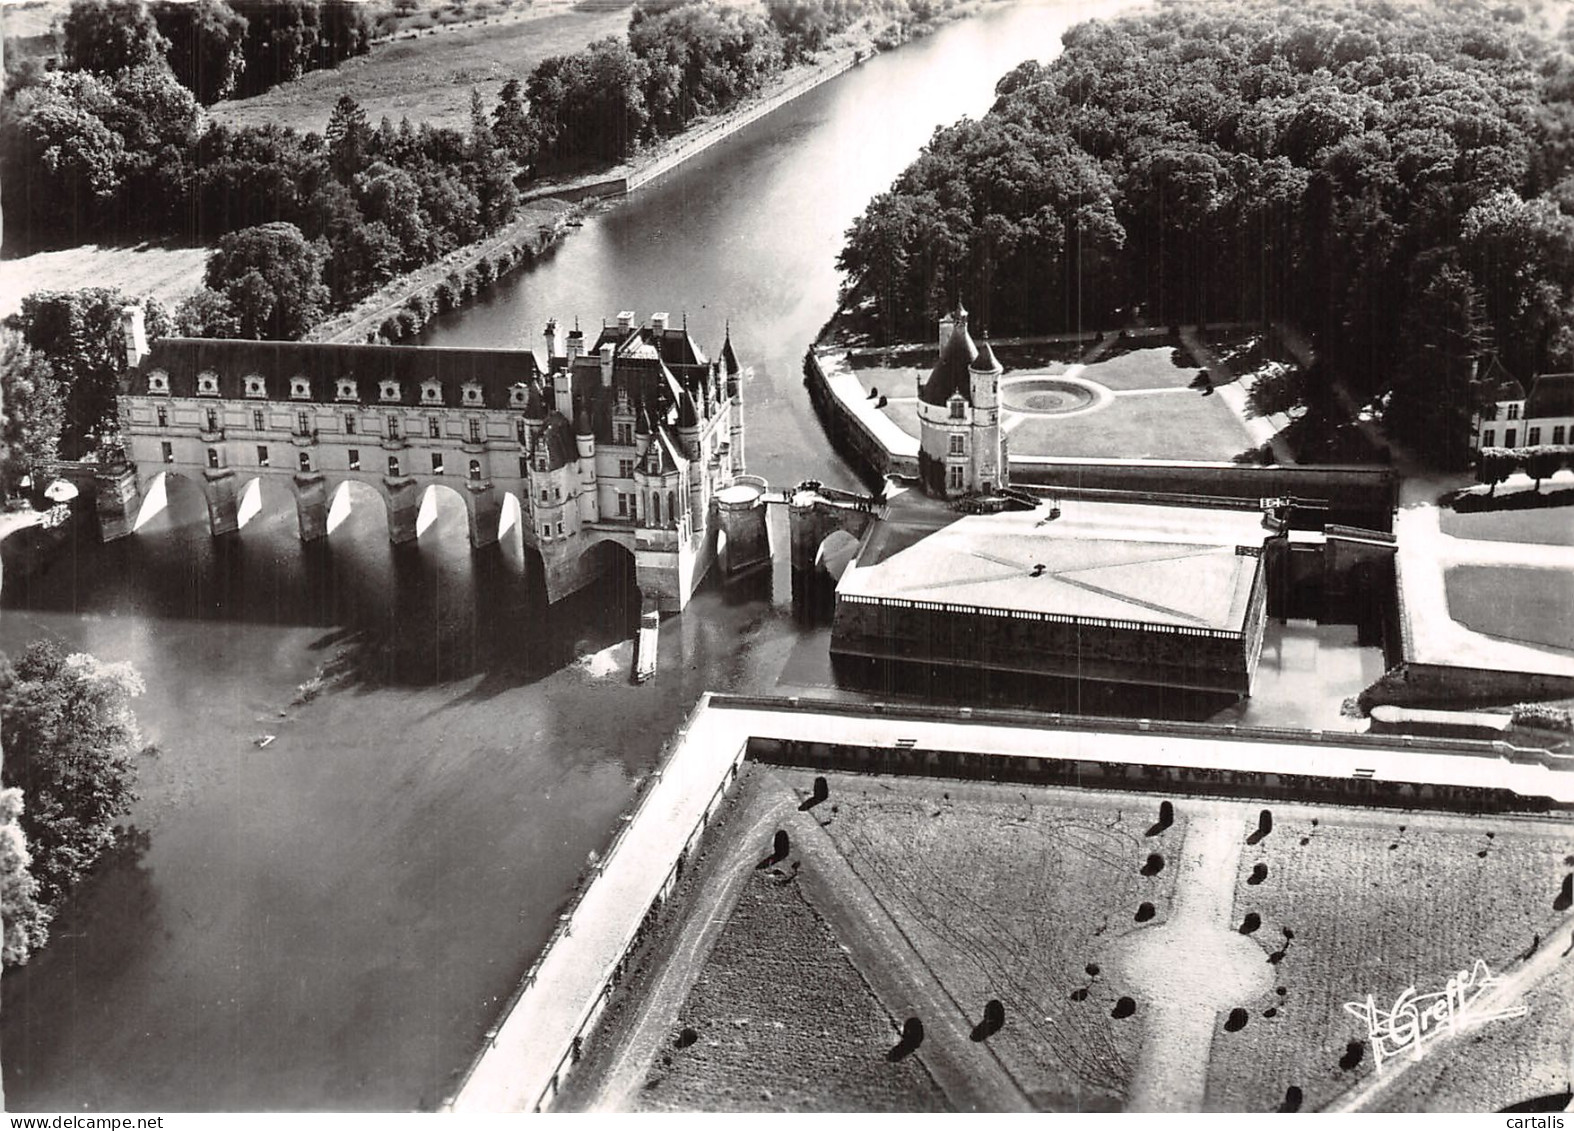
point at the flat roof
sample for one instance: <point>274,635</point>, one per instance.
<point>1176,566</point>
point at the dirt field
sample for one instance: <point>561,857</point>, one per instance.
<point>811,1037</point>
<point>169,275</point>
<point>1374,909</point>
<point>429,78</point>
<point>1017,894</point>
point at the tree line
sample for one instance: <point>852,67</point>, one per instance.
<point>216,49</point>
<point>1397,178</point>
<point>71,750</point>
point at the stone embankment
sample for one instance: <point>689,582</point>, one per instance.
<point>402,307</point>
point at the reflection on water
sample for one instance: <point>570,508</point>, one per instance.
<point>331,922</point>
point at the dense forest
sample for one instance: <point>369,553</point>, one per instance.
<point>1396,177</point>
<point>117,146</point>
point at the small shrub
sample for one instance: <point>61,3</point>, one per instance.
<point>389,331</point>
<point>1544,716</point>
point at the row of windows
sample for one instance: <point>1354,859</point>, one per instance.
<point>303,425</point>
<point>1532,437</point>
<point>347,389</point>
<point>264,459</point>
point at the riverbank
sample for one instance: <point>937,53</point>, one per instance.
<point>402,307</point>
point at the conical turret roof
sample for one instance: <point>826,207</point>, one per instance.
<point>950,374</point>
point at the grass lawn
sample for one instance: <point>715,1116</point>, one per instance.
<point>1157,367</point>
<point>1535,606</point>
<point>1377,902</point>
<point>429,79</point>
<point>1553,526</point>
<point>1016,893</point>
<point>168,275</point>
<point>1170,425</point>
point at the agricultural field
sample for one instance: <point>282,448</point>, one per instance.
<point>1020,894</point>
<point>1513,602</point>
<point>1359,902</point>
<point>168,274</point>
<point>429,78</point>
<point>780,1020</point>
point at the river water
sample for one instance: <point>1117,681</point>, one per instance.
<point>331,922</point>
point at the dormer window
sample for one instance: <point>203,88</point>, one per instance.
<point>1513,411</point>
<point>958,408</point>
<point>347,390</point>
<point>388,390</point>
<point>431,392</point>
<point>518,395</point>
<point>300,388</point>
<point>471,392</point>
<point>208,384</point>
<point>158,382</point>
<point>256,386</point>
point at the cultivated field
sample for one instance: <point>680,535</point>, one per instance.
<point>168,275</point>
<point>1018,894</point>
<point>780,1020</point>
<point>1361,902</point>
<point>429,78</point>
<point>1533,606</point>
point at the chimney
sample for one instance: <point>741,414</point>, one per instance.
<point>658,321</point>
<point>576,344</point>
<point>625,319</point>
<point>554,341</point>
<point>607,349</point>
<point>136,336</point>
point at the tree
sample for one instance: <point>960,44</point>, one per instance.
<point>348,135</point>
<point>108,36</point>
<point>72,745</point>
<point>273,279</point>
<point>26,923</point>
<point>206,45</point>
<point>511,125</point>
<point>79,334</point>
<point>64,163</point>
<point>206,314</point>
<point>1435,396</point>
<point>33,404</point>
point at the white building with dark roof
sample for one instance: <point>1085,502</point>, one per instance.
<point>961,446</point>
<point>1544,416</point>
<point>626,442</point>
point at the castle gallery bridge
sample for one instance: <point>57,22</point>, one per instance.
<point>544,1026</point>
<point>634,439</point>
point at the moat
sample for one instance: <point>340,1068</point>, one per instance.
<point>333,920</point>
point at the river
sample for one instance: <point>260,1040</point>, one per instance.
<point>331,922</point>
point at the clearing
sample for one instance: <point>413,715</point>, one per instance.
<point>429,79</point>
<point>168,274</point>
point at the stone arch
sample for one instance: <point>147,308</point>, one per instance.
<point>616,571</point>
<point>835,553</point>
<point>340,498</point>
<point>430,492</point>
<point>154,493</point>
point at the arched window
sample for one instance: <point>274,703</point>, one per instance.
<point>213,457</point>
<point>672,507</point>
<point>655,509</point>
<point>475,469</point>
<point>306,461</point>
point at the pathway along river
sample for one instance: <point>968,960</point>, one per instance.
<point>331,922</point>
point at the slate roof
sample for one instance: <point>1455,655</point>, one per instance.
<point>950,374</point>
<point>1551,394</point>
<point>1502,383</point>
<point>277,363</point>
